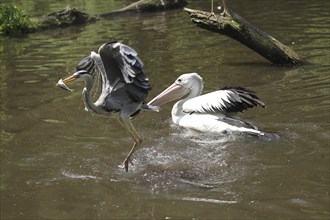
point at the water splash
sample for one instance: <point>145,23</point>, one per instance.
<point>79,176</point>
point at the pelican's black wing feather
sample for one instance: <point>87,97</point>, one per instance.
<point>241,99</point>
<point>228,99</point>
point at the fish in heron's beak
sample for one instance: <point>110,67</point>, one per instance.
<point>61,83</point>
<point>173,92</point>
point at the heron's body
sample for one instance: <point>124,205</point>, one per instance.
<point>124,86</point>
<point>212,112</point>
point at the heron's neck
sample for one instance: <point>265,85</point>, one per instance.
<point>86,94</point>
<point>106,87</point>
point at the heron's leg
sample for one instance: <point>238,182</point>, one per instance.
<point>125,119</point>
<point>122,123</point>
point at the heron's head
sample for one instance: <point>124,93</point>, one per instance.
<point>183,85</point>
<point>85,70</point>
<point>81,75</point>
<point>87,64</point>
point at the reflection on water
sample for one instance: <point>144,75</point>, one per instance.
<point>58,161</point>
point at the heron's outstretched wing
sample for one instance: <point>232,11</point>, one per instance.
<point>130,65</point>
<point>128,61</point>
<point>122,65</point>
<point>229,99</point>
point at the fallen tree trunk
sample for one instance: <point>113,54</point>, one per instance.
<point>63,18</point>
<point>148,6</point>
<point>235,27</point>
<point>71,16</point>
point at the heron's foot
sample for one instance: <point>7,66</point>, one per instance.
<point>124,165</point>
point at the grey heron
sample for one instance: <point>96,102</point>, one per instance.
<point>212,112</point>
<point>124,86</point>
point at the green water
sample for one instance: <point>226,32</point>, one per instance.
<point>60,162</point>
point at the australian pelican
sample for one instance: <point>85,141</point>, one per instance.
<point>212,112</point>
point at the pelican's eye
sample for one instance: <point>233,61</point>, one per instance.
<point>179,80</point>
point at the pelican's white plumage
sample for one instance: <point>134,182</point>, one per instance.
<point>211,112</point>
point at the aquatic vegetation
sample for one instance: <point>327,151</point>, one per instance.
<point>14,22</point>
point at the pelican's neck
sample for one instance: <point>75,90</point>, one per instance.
<point>177,110</point>
<point>194,92</point>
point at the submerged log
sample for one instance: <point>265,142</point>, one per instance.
<point>148,6</point>
<point>235,27</point>
<point>71,16</point>
<point>65,17</point>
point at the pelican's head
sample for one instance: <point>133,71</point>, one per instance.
<point>189,83</point>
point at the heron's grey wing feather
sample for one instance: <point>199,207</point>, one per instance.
<point>122,66</point>
<point>128,61</point>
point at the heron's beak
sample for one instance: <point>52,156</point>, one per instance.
<point>70,78</point>
<point>173,92</point>
<point>61,83</point>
